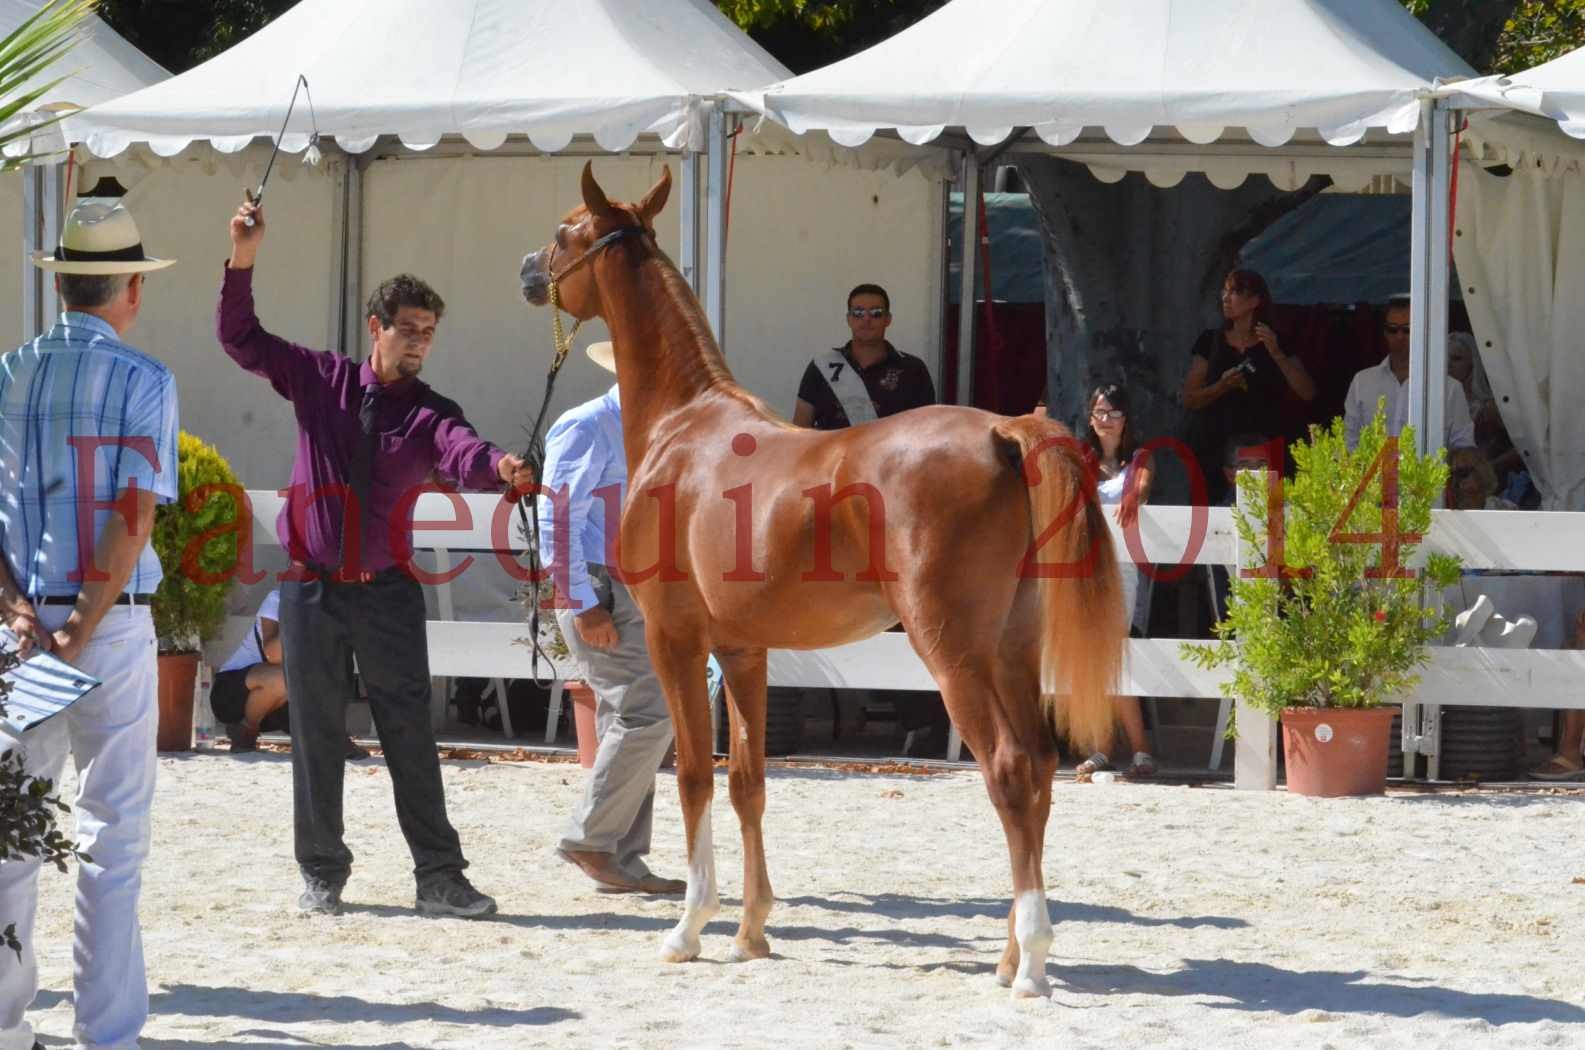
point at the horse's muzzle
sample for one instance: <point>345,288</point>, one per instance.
<point>535,276</point>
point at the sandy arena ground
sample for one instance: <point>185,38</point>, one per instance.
<point>1185,917</point>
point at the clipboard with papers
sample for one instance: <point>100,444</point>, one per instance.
<point>41,687</point>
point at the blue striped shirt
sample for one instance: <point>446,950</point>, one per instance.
<point>79,399</point>
<point>584,453</point>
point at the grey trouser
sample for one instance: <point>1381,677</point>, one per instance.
<point>616,814</point>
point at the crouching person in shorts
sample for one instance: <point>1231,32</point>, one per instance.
<point>249,695</point>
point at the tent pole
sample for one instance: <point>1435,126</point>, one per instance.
<point>715,228</point>
<point>969,256</point>
<point>52,181</point>
<point>1428,277</point>
<point>689,219</point>
<point>349,297</point>
<point>31,275</point>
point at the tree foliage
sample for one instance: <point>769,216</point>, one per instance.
<point>179,34</point>
<point>1538,31</point>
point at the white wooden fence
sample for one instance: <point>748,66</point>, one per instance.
<point>1501,540</point>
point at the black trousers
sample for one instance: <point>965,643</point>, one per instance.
<point>323,623</point>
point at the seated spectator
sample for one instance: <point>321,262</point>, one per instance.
<point>866,378</point>
<point>1568,763</point>
<point>1124,478</point>
<point>1471,483</point>
<point>1388,382</point>
<point>249,694</point>
<point>1239,377</point>
<point>1464,365</point>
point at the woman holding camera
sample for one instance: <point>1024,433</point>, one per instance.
<point>1239,377</point>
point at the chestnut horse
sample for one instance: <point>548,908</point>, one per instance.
<point>979,533</point>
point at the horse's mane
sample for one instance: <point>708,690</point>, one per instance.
<point>684,320</point>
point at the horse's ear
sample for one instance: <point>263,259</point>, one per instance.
<point>655,199</point>
<point>593,196</point>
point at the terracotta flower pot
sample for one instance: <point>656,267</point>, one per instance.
<point>582,698</point>
<point>1332,752</point>
<point>178,673</point>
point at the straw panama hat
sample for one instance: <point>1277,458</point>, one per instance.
<point>602,354</point>
<point>99,239</point>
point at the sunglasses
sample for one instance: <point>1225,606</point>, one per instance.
<point>1395,329</point>
<point>872,312</point>
<point>1108,416</point>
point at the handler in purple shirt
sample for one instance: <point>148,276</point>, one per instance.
<point>368,435</point>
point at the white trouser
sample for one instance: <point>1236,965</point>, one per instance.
<point>110,733</point>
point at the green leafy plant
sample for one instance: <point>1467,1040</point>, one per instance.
<point>1334,615</point>
<point>196,539</point>
<point>28,808</point>
<point>551,643</point>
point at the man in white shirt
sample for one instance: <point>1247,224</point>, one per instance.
<point>1389,380</point>
<point>609,833</point>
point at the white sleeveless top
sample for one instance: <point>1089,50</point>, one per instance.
<point>1110,493</point>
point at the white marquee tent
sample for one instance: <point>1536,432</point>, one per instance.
<point>446,113</point>
<point>1269,86</point>
<point>439,120</point>
<point>101,66</point>
<point>1272,67</point>
<point>1520,246</point>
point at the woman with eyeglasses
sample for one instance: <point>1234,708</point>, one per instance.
<point>1239,377</point>
<point>1123,477</point>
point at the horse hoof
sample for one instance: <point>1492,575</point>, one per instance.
<point>678,949</point>
<point>1031,988</point>
<point>1004,979</point>
<point>744,951</point>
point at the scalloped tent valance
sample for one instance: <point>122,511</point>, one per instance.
<point>1130,68</point>
<point>423,69</point>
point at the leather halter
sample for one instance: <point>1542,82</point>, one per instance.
<point>619,234</point>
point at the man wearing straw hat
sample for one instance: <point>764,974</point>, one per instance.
<point>585,465</point>
<point>370,434</point>
<point>87,448</point>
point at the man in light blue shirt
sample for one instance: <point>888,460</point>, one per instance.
<point>586,470</point>
<point>87,448</point>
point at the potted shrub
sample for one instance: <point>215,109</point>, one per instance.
<point>196,539</point>
<point>1331,626</point>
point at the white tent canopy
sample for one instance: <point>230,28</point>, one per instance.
<point>1555,90</point>
<point>423,69</point>
<point>100,67</point>
<point>1272,67</point>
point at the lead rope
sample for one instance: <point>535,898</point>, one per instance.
<point>528,507</point>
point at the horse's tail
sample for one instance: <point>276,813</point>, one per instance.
<point>1070,557</point>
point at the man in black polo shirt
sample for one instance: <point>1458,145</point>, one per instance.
<point>866,379</point>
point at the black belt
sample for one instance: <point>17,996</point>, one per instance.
<point>121,599</point>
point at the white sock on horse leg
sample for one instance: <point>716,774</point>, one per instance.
<point>1033,929</point>
<point>702,901</point>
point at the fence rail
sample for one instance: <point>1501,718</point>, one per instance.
<point>1511,541</point>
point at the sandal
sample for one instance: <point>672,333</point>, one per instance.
<point>1094,764</point>
<point>1559,767</point>
<point>1144,765</point>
